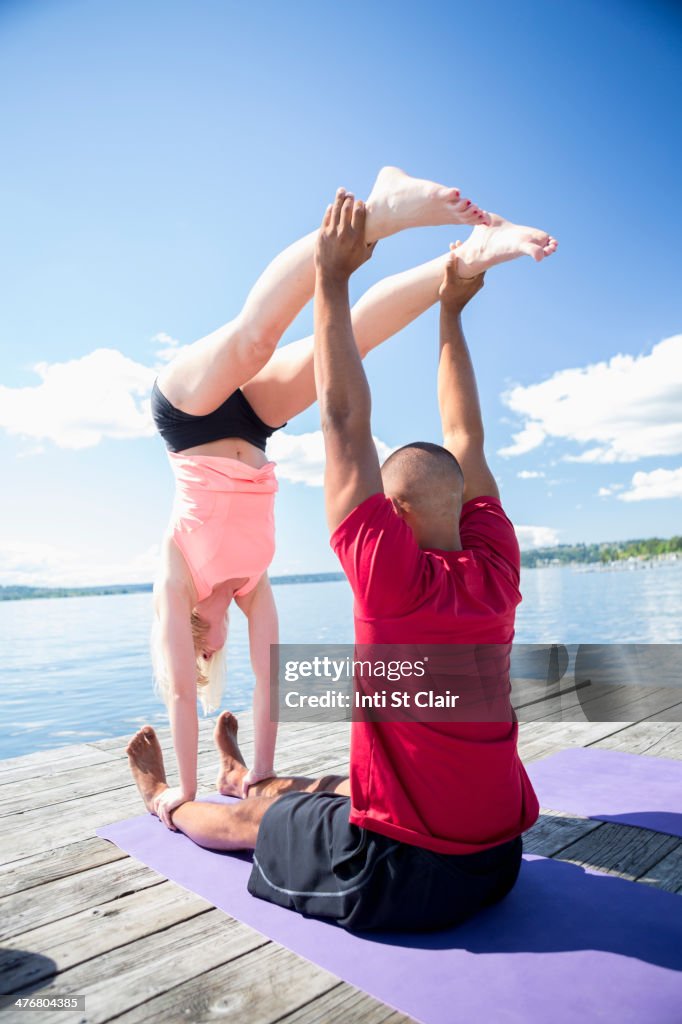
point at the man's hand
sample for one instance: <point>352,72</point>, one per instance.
<point>341,246</point>
<point>456,291</point>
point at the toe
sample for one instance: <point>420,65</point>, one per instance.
<point>533,249</point>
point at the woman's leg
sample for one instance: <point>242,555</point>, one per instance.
<point>286,385</point>
<point>261,612</point>
<point>202,376</point>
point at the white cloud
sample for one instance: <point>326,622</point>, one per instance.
<point>167,348</point>
<point>79,403</point>
<point>626,409</point>
<point>525,440</point>
<point>659,483</point>
<point>300,457</point>
<point>31,564</point>
<point>605,492</point>
<point>530,474</point>
<point>536,537</point>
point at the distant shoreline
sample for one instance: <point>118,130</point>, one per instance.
<point>12,593</point>
<point>606,555</point>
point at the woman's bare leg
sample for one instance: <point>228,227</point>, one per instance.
<point>201,377</point>
<point>286,385</point>
<point>261,612</point>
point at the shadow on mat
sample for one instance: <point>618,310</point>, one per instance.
<point>557,907</point>
<point>666,822</point>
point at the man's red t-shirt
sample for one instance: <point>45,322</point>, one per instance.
<point>451,787</point>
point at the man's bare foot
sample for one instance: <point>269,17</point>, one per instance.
<point>146,764</point>
<point>232,766</point>
<point>398,201</point>
<point>499,242</point>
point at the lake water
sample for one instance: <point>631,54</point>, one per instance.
<point>78,669</point>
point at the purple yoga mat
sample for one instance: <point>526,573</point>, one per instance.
<point>608,785</point>
<point>566,945</point>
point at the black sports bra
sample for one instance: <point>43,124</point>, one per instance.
<point>234,418</point>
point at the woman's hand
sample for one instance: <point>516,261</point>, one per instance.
<point>167,802</point>
<point>252,777</point>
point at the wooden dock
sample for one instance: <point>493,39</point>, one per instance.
<point>79,917</point>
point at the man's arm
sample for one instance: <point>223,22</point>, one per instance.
<point>460,410</point>
<point>352,466</point>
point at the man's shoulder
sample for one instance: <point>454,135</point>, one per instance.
<point>486,513</point>
<point>377,509</point>
<point>487,530</point>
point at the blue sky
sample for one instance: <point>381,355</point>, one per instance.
<point>157,155</point>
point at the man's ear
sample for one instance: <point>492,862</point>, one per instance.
<point>398,508</point>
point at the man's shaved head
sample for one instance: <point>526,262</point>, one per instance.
<point>426,481</point>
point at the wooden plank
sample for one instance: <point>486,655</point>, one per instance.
<point>49,765</point>
<point>31,908</point>
<point>48,866</point>
<point>70,785</point>
<point>90,933</point>
<point>258,987</point>
<point>622,703</point>
<point>42,829</point>
<point>659,739</point>
<point>539,739</point>
<point>667,873</point>
<point>345,1005</point>
<point>42,759</point>
<point>620,850</point>
<point>122,979</point>
<point>554,831</point>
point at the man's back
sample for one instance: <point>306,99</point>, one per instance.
<point>449,786</point>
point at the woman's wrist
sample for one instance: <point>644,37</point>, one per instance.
<point>254,776</point>
<point>256,772</point>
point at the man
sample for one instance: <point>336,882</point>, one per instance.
<point>427,829</point>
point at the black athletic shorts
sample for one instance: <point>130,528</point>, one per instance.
<point>310,858</point>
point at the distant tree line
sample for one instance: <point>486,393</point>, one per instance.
<point>614,551</point>
<point>26,593</point>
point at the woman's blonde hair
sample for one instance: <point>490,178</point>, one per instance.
<point>210,672</point>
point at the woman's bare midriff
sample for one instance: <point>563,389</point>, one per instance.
<point>231,448</point>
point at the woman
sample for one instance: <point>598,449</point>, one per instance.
<point>215,406</point>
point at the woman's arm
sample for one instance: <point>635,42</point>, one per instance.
<point>174,610</point>
<point>259,607</point>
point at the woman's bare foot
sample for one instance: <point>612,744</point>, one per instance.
<point>146,764</point>
<point>499,242</point>
<point>232,768</point>
<point>398,201</point>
